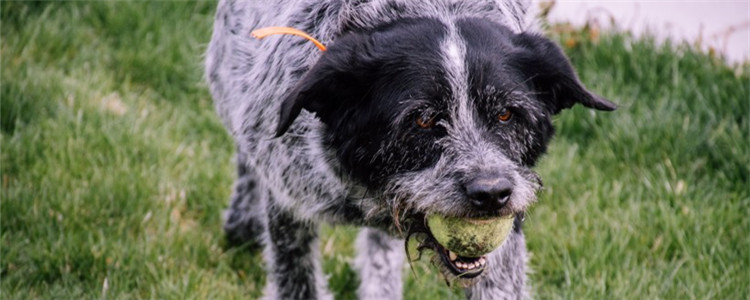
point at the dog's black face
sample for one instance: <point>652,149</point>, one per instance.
<point>370,89</point>
<point>441,119</point>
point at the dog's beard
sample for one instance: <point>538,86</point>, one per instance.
<point>410,223</point>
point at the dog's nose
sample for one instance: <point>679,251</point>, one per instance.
<point>489,193</point>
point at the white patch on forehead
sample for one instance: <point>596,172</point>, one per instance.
<point>454,62</point>
<point>454,55</point>
<point>463,126</point>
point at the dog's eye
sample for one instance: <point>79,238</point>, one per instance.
<point>505,115</point>
<point>426,121</point>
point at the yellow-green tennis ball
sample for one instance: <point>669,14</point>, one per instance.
<point>470,237</point>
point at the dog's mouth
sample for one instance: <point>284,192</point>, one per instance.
<point>463,269</point>
<point>461,266</point>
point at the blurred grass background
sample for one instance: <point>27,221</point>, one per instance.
<point>115,169</point>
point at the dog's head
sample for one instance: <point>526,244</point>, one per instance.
<point>441,118</point>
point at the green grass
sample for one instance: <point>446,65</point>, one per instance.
<point>115,169</point>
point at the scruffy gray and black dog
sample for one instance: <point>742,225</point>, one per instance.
<point>417,108</point>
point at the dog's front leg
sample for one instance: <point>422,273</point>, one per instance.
<point>380,261</point>
<point>242,222</point>
<point>292,257</point>
<point>506,272</point>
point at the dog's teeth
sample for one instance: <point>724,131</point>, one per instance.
<point>452,255</point>
<point>482,261</point>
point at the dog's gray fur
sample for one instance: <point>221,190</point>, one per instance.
<point>288,185</point>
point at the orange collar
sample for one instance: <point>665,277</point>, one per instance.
<point>264,32</point>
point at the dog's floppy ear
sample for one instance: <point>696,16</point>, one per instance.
<point>545,65</point>
<point>310,93</point>
<point>335,79</point>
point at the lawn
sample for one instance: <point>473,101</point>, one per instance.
<point>115,169</point>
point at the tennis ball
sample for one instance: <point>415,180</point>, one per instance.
<point>470,237</point>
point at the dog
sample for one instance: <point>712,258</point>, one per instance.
<point>416,108</point>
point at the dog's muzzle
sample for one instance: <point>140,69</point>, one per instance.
<point>487,208</point>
